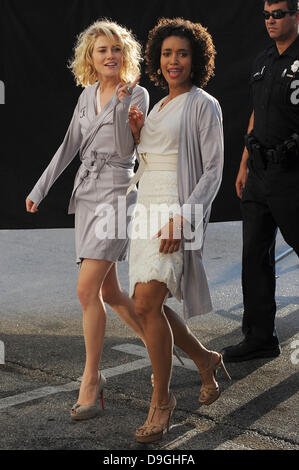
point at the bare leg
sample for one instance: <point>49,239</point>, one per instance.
<point>182,335</point>
<point>120,302</point>
<point>148,300</point>
<point>91,277</point>
<point>187,341</point>
<point>123,306</point>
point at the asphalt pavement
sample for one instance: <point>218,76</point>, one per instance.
<point>42,356</point>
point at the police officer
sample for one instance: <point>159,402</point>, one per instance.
<point>268,179</point>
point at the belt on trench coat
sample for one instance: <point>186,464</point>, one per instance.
<point>92,166</point>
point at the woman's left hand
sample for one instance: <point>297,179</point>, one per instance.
<point>171,236</point>
<point>136,120</point>
<point>126,89</point>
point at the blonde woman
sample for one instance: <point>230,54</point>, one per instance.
<point>107,64</point>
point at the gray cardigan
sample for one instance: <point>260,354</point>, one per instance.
<point>200,165</point>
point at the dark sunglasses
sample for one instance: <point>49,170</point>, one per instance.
<point>277,14</point>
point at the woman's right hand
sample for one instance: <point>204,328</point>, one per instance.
<point>136,121</point>
<point>31,206</point>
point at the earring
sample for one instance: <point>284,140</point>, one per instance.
<point>159,71</point>
<point>191,75</point>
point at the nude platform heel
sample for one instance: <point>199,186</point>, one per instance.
<point>79,412</point>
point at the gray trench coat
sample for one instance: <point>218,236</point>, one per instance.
<point>107,154</point>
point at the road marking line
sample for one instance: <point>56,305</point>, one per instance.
<point>231,445</point>
<point>141,351</point>
<point>287,310</point>
<point>110,372</point>
<point>35,394</point>
<point>128,367</point>
<point>181,440</point>
<point>71,386</point>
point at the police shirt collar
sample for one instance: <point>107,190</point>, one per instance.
<point>292,50</point>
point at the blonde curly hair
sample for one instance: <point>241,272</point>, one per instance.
<point>82,63</point>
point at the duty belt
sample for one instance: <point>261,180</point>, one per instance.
<point>281,154</point>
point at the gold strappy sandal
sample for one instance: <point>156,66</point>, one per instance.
<point>151,432</point>
<point>210,393</point>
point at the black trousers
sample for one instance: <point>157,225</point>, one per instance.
<point>270,200</point>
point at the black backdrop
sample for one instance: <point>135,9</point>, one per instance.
<point>37,39</point>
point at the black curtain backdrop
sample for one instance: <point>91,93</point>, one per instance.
<point>37,40</point>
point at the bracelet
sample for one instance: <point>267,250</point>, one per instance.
<point>176,226</point>
<point>136,141</point>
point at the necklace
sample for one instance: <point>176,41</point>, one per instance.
<point>164,103</point>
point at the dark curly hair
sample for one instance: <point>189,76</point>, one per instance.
<point>203,49</point>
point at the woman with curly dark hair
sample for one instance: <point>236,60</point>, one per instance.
<point>180,146</point>
<point>202,49</point>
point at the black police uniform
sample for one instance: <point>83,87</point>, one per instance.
<point>271,196</point>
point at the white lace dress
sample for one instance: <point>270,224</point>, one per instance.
<point>157,199</point>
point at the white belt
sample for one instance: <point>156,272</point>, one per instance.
<point>153,162</point>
